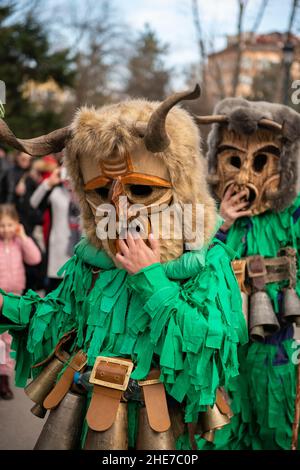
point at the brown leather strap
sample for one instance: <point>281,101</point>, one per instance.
<point>277,269</point>
<point>156,402</point>
<point>103,408</point>
<point>65,381</point>
<point>222,403</point>
<point>239,268</point>
<point>108,377</point>
<point>257,271</point>
<point>59,351</point>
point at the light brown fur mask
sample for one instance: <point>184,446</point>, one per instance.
<point>255,146</point>
<point>134,152</point>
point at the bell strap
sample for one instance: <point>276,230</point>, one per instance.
<point>239,269</point>
<point>257,271</point>
<point>64,384</point>
<point>59,350</point>
<point>110,376</point>
<point>222,403</point>
<point>156,402</point>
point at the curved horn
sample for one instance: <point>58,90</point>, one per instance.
<point>156,138</point>
<point>269,124</point>
<point>219,118</point>
<point>39,146</point>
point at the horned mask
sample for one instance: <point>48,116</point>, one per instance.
<point>130,160</point>
<point>254,146</point>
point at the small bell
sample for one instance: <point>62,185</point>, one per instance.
<point>262,315</point>
<point>291,307</point>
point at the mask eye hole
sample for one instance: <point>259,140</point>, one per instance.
<point>259,162</point>
<point>140,190</point>
<point>102,192</point>
<point>235,161</point>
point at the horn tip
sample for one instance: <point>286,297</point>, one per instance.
<point>197,91</point>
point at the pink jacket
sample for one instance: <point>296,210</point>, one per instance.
<point>13,255</point>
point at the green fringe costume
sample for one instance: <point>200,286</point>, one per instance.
<point>263,395</point>
<point>184,316</point>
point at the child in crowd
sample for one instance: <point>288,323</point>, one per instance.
<point>16,248</point>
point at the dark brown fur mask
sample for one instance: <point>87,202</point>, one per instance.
<point>245,118</point>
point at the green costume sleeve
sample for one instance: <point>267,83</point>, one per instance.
<point>197,326</point>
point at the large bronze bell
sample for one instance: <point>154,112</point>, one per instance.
<point>41,386</point>
<point>291,307</point>
<point>115,438</point>
<point>62,429</point>
<point>148,439</point>
<point>263,320</point>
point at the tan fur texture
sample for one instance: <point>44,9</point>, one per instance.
<point>97,133</point>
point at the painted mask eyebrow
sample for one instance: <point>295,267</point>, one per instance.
<point>223,148</point>
<point>269,149</point>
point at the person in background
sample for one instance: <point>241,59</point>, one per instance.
<point>12,177</point>
<point>16,249</point>
<point>4,166</point>
<point>55,193</point>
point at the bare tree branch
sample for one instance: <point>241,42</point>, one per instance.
<point>235,79</point>
<point>201,44</point>
<point>259,16</point>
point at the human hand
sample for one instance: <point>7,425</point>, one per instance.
<point>20,231</point>
<point>20,188</point>
<point>54,179</point>
<point>232,207</point>
<point>135,254</point>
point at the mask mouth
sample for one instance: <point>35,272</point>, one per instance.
<point>251,196</point>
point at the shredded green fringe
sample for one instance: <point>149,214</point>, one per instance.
<point>190,329</point>
<point>263,395</point>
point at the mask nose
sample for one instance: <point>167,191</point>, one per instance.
<point>118,198</point>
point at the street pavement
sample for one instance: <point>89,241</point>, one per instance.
<point>19,428</point>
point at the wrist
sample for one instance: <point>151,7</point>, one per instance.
<point>226,226</point>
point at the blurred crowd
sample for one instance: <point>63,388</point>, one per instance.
<point>39,227</point>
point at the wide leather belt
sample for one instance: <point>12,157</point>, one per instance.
<point>64,384</point>
<point>110,377</point>
<point>254,272</point>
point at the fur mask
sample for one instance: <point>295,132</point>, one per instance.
<point>144,151</point>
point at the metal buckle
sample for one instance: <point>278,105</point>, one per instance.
<point>149,382</point>
<point>111,360</point>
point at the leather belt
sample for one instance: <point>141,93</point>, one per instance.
<point>64,384</point>
<point>254,272</point>
<point>110,377</point>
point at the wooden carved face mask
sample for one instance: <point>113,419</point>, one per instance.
<point>125,191</point>
<point>251,163</point>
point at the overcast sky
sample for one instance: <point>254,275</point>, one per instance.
<point>173,21</point>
